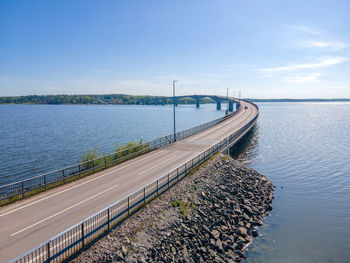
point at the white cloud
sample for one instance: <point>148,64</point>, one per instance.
<point>302,78</point>
<point>334,45</point>
<point>325,62</point>
<point>306,29</point>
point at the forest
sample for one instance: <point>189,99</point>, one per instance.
<point>97,99</point>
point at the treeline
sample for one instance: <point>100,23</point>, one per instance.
<point>97,99</point>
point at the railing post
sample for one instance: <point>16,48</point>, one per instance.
<point>82,235</point>
<point>48,252</point>
<point>109,219</point>
<point>64,180</point>
<point>45,181</point>
<point>105,162</point>
<point>144,196</point>
<point>128,206</point>
<point>79,170</point>
<point>22,188</point>
<point>157,187</point>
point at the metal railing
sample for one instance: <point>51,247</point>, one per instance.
<point>45,181</point>
<point>65,245</point>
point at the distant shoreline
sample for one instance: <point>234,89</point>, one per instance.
<point>123,99</point>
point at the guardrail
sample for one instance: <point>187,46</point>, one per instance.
<point>65,245</point>
<point>17,190</point>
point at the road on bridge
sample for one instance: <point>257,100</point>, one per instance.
<point>30,222</point>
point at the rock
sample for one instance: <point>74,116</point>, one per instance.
<point>242,231</point>
<point>184,252</point>
<point>225,205</point>
<point>254,233</point>
<point>219,245</point>
<point>141,259</point>
<point>215,234</point>
<point>124,251</point>
<point>119,256</point>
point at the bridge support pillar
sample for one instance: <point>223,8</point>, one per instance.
<point>230,105</point>
<point>197,102</point>
<point>218,105</point>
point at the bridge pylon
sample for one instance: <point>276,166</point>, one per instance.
<point>197,102</point>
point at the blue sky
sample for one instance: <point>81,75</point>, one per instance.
<point>266,49</point>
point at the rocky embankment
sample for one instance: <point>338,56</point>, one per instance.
<point>210,216</point>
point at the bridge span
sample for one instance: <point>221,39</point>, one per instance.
<point>28,224</point>
<point>217,99</point>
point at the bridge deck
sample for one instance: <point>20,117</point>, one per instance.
<point>30,222</point>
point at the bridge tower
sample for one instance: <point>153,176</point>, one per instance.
<point>218,104</point>
<point>230,105</point>
<point>197,102</point>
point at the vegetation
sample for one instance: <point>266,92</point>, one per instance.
<point>184,206</point>
<point>91,158</point>
<point>97,99</point>
<point>129,148</point>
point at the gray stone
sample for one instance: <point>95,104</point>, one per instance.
<point>242,231</point>
<point>219,245</point>
<point>124,251</point>
<point>215,234</point>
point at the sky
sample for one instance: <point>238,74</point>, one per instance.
<point>265,49</point>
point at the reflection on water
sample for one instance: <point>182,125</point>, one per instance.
<point>304,149</point>
<point>244,149</point>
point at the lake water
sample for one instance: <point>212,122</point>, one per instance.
<point>35,139</point>
<point>304,148</point>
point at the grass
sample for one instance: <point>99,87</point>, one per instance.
<point>184,206</point>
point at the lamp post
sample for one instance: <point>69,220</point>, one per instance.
<point>174,109</point>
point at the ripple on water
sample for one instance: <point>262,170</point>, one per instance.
<point>303,148</point>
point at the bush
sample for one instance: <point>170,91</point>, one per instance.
<point>90,155</point>
<point>129,148</point>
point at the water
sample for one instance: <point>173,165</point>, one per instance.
<point>35,139</point>
<point>304,148</point>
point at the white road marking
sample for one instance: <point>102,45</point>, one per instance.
<point>64,210</point>
<point>119,168</point>
<point>145,171</point>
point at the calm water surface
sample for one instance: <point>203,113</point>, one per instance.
<point>305,150</point>
<point>35,139</point>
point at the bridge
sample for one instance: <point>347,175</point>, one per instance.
<point>217,99</point>
<point>53,225</point>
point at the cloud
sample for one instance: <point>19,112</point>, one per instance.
<point>325,62</point>
<point>306,29</point>
<point>334,45</point>
<point>302,78</point>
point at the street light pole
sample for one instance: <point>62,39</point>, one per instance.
<point>174,109</point>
